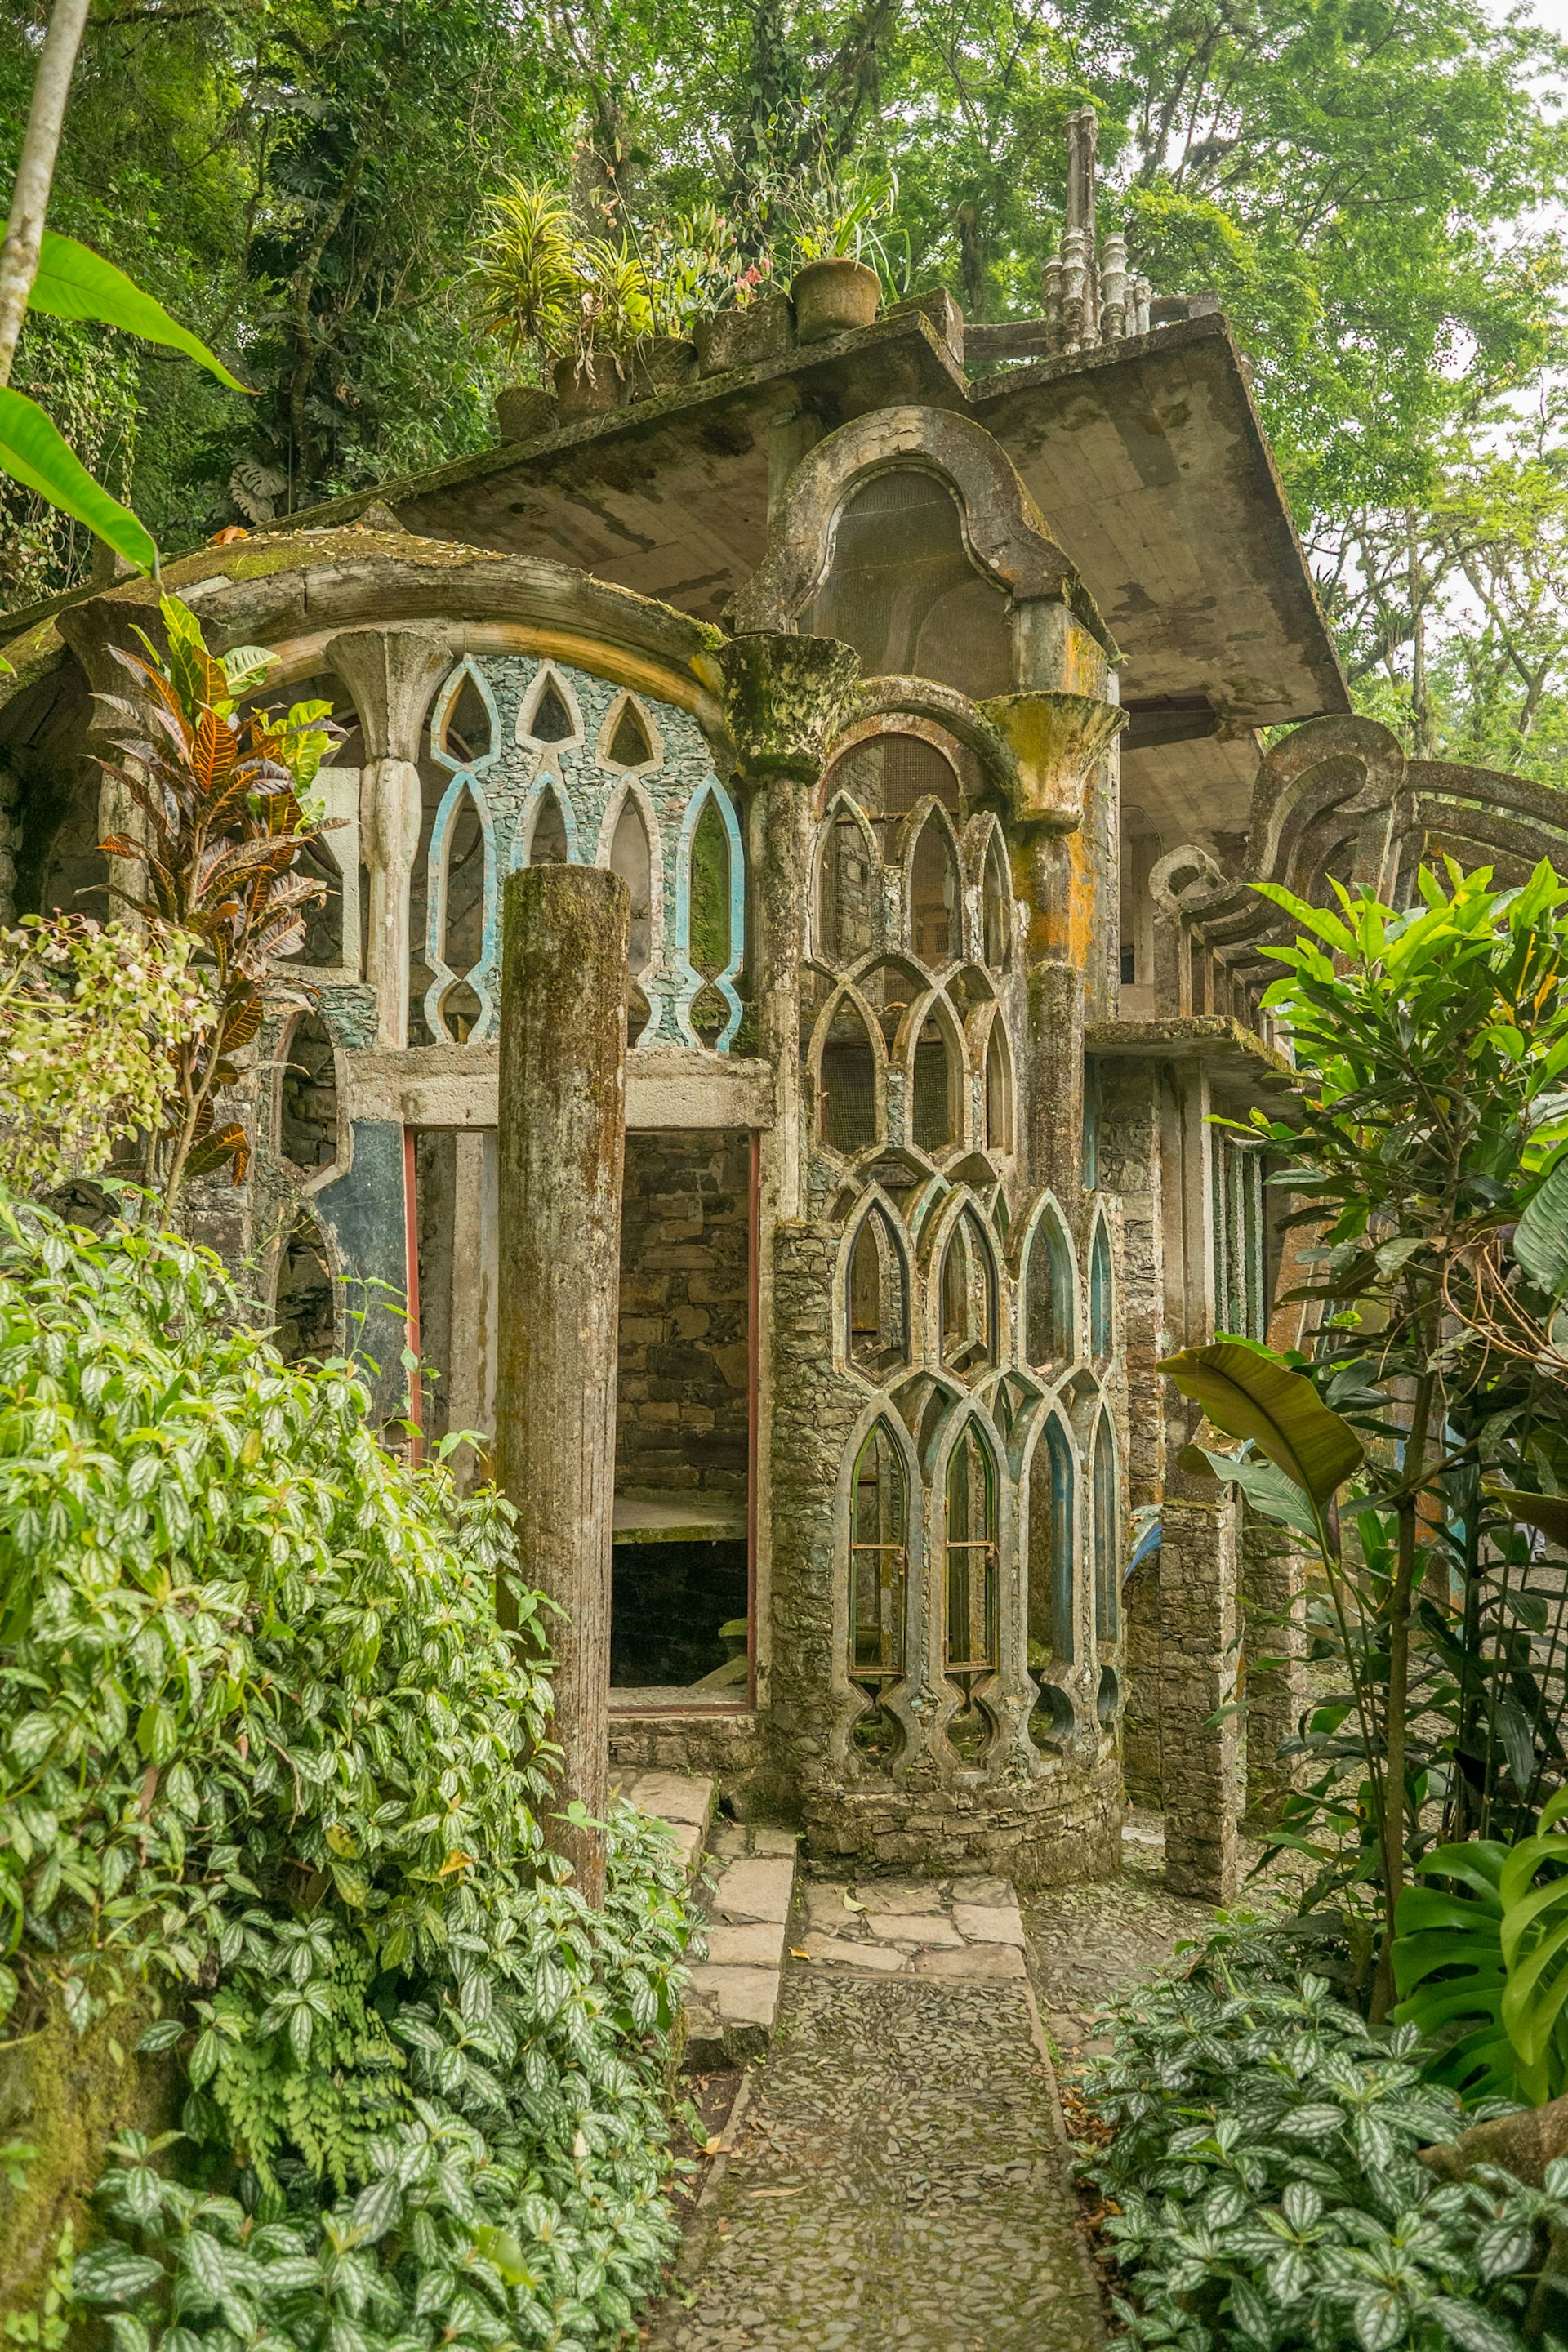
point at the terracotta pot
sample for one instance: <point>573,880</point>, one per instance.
<point>525,411</point>
<point>664,363</point>
<point>588,387</point>
<point>832,298</point>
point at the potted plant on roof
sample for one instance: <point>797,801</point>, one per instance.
<point>579,302</point>
<point>833,225</point>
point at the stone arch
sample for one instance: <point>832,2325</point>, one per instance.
<point>629,741</point>
<point>1051,1486</point>
<point>999,1090</point>
<point>1049,1290</point>
<point>876,1289</point>
<point>935,1070</point>
<point>889,764</point>
<point>630,845</point>
<point>846,913</point>
<point>1004,531</point>
<point>547,821</point>
<point>459,1006</point>
<point>1105,1528</point>
<point>849,1065</point>
<point>934,887</point>
<point>467,682</point>
<point>880,1516</point>
<point>1101,1294</point>
<point>993,946</point>
<point>549,700</point>
<point>969,1496</point>
<point>306,1282</point>
<point>894,987</point>
<point>695,980</point>
<point>967,1294</point>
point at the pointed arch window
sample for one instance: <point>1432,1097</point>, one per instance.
<point>995,908</point>
<point>710,919</point>
<point>628,741</point>
<point>305,1311</point>
<point>998,1088</point>
<point>1101,1308</point>
<point>1106,1535</point>
<point>934,1113</point>
<point>877,1296</point>
<point>846,891</point>
<point>968,1288</point>
<point>631,856</point>
<point>549,842</point>
<point>1052,1597</point>
<point>970,1559</point>
<point>547,717</point>
<point>307,1096</point>
<point>466,725</point>
<point>1050,1337</point>
<point>933,895</point>
<point>849,1081</point>
<point>878,1560</point>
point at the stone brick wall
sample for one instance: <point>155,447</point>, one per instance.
<point>685,1228</point>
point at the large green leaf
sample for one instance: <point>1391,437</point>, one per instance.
<point>1247,1391</point>
<point>32,452</point>
<point>1267,1488</point>
<point>1541,1236</point>
<point>74,282</point>
<point>1547,1512</point>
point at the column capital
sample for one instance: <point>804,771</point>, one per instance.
<point>390,674</point>
<point>785,697</point>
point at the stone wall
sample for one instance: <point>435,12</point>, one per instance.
<point>684,1353</point>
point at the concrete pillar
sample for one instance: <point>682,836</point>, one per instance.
<point>1197,1678</point>
<point>562,1150</point>
<point>392,675</point>
<point>1272,1589</point>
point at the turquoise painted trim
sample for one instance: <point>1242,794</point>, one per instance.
<point>547,781</point>
<point>442,712</point>
<point>465,785</point>
<point>690,982</point>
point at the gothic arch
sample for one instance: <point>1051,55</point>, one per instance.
<point>1048,1290</point>
<point>628,712</point>
<point>831,909</point>
<point>692,982</point>
<point>547,794</point>
<point>467,675</point>
<point>933,869</point>
<point>1004,531</point>
<point>646,950</point>
<point>1101,1293</point>
<point>851,1091</point>
<point>875,1291</point>
<point>550,693</point>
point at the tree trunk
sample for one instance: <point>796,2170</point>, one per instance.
<point>35,172</point>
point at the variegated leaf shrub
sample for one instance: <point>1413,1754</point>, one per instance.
<point>266,1748</point>
<point>1264,2192</point>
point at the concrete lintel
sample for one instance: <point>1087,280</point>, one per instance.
<point>1234,1057</point>
<point>454,1086</point>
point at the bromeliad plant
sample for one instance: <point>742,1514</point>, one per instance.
<point>220,791</point>
<point>1417,1447</point>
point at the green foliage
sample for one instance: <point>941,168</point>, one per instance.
<point>267,1744</point>
<point>1264,2169</point>
<point>88,1015</point>
<point>1487,1969</point>
<point>1248,1392</point>
<point>1433,1044</point>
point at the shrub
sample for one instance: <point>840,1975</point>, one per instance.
<point>1263,2181</point>
<point>267,1746</point>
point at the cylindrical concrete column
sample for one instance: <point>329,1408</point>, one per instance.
<point>561,1144</point>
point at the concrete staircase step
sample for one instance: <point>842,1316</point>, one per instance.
<point>733,1997</point>
<point>684,1802</point>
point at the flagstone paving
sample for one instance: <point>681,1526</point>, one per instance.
<point>898,2177</point>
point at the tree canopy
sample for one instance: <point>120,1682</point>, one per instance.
<point>1366,183</point>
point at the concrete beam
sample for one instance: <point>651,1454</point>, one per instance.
<point>457,1085</point>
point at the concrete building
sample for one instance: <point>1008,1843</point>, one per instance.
<point>914,681</point>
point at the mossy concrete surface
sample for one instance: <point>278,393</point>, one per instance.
<point>68,2095</point>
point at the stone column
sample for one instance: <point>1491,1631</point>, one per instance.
<point>562,1147</point>
<point>1197,1677</point>
<point>1272,1591</point>
<point>392,674</point>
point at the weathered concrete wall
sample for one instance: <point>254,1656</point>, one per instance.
<point>1197,1679</point>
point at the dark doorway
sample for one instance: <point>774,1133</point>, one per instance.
<point>681,1566</point>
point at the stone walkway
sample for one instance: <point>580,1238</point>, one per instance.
<point>896,2176</point>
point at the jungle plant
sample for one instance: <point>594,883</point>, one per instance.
<point>220,792</point>
<point>1418,1446</point>
<point>89,1013</point>
<point>1266,2192</point>
<point>268,1759</point>
<point>540,282</point>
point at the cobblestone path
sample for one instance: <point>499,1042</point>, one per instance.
<point>898,2180</point>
